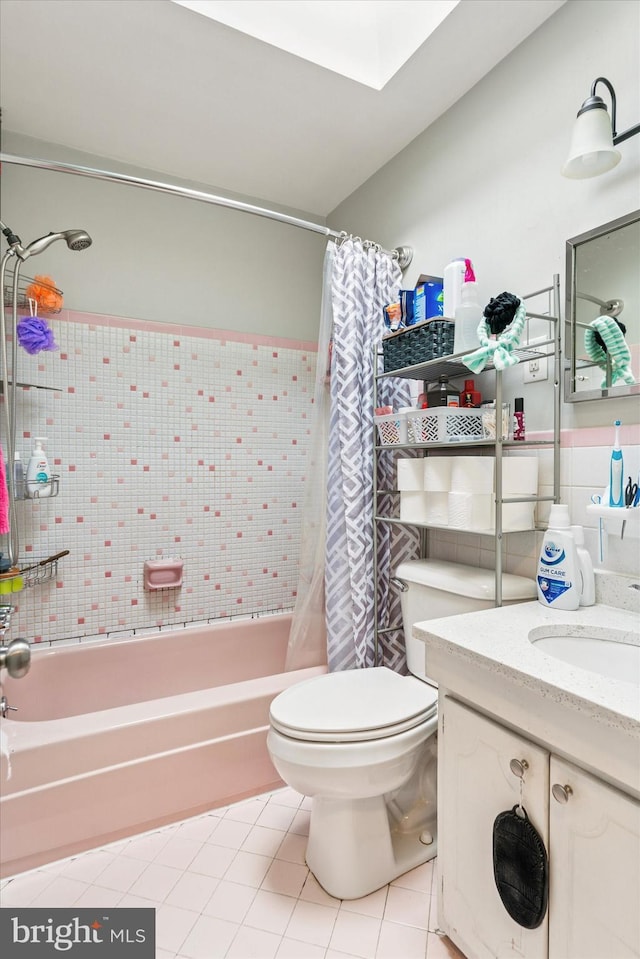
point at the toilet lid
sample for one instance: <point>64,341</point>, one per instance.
<point>353,706</point>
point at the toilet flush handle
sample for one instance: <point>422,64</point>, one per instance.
<point>399,584</point>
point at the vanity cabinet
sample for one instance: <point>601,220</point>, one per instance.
<point>591,832</point>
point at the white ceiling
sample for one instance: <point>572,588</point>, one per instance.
<point>155,85</point>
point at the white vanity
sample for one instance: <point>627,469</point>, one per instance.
<point>510,689</point>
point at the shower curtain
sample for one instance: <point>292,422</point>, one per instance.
<point>336,586</point>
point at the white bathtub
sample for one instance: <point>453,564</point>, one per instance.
<point>113,738</point>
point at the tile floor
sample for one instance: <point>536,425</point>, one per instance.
<point>233,884</point>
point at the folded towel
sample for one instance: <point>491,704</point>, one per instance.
<point>4,497</point>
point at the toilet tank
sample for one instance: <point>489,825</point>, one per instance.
<point>436,588</point>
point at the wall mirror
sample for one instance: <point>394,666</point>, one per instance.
<point>603,279</point>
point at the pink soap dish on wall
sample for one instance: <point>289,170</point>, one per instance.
<point>163,573</point>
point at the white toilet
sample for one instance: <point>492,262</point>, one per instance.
<point>362,742</point>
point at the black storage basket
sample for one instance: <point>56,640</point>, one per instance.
<point>417,344</point>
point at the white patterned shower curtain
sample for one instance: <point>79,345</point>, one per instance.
<point>334,613</point>
<point>364,280</point>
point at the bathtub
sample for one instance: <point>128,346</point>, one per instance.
<point>117,737</point>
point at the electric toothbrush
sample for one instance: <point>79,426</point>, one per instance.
<point>616,470</point>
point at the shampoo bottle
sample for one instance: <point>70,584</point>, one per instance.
<point>38,472</point>
<point>558,579</point>
<point>588,592</point>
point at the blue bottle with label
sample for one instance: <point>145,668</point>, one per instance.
<point>558,580</point>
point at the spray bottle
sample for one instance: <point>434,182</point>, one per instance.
<point>467,313</point>
<point>616,471</point>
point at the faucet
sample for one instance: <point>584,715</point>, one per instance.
<point>5,707</point>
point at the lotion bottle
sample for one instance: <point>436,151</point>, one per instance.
<point>38,472</point>
<point>558,579</point>
<point>588,592</point>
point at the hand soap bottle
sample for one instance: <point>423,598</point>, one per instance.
<point>38,472</point>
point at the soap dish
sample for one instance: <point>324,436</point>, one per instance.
<point>163,573</point>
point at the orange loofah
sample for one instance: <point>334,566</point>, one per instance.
<point>43,291</point>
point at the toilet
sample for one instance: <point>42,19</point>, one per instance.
<point>362,743</point>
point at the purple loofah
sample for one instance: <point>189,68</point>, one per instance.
<point>35,334</point>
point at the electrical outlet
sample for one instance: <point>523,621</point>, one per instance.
<point>535,370</point>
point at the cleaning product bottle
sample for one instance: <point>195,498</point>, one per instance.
<point>38,472</point>
<point>18,477</point>
<point>558,579</point>
<point>452,283</point>
<point>616,471</point>
<point>588,591</point>
<point>467,314</point>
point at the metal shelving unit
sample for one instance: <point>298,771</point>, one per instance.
<point>452,366</point>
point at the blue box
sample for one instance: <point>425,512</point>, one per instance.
<point>412,304</point>
<point>433,295</point>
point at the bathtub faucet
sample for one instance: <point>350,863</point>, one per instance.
<point>5,707</point>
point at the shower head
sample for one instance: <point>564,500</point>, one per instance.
<point>75,240</point>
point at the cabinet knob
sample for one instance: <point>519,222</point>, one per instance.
<point>518,767</point>
<point>561,793</point>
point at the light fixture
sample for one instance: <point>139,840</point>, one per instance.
<point>594,137</point>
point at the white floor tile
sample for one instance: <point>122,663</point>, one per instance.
<point>173,925</point>
<point>230,901</point>
<point>313,923</point>
<point>253,944</point>
<point>230,833</point>
<point>156,882</point>
<point>212,861</point>
<point>356,934</point>
<point>192,891</point>
<point>209,939</point>
<point>270,911</point>
<point>408,907</point>
<point>396,940</point>
<point>263,841</point>
<point>248,868</point>
<point>287,878</point>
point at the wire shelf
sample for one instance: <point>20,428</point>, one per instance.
<point>23,299</point>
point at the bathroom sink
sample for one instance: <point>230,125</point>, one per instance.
<point>613,653</point>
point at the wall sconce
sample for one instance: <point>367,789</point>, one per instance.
<point>594,137</point>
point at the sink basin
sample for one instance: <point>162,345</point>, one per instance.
<point>612,653</point>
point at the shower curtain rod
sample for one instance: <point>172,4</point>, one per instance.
<point>403,254</point>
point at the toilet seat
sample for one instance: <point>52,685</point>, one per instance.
<point>353,706</point>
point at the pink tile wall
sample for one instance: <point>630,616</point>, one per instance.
<point>169,442</point>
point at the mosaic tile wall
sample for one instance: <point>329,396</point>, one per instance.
<point>169,442</point>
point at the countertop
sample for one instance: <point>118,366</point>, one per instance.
<point>486,659</point>
<point>500,637</point>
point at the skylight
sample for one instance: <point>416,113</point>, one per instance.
<point>364,40</point>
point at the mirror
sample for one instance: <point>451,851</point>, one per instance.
<point>603,280</point>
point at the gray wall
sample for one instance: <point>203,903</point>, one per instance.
<point>163,258</point>
<point>484,181</point>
